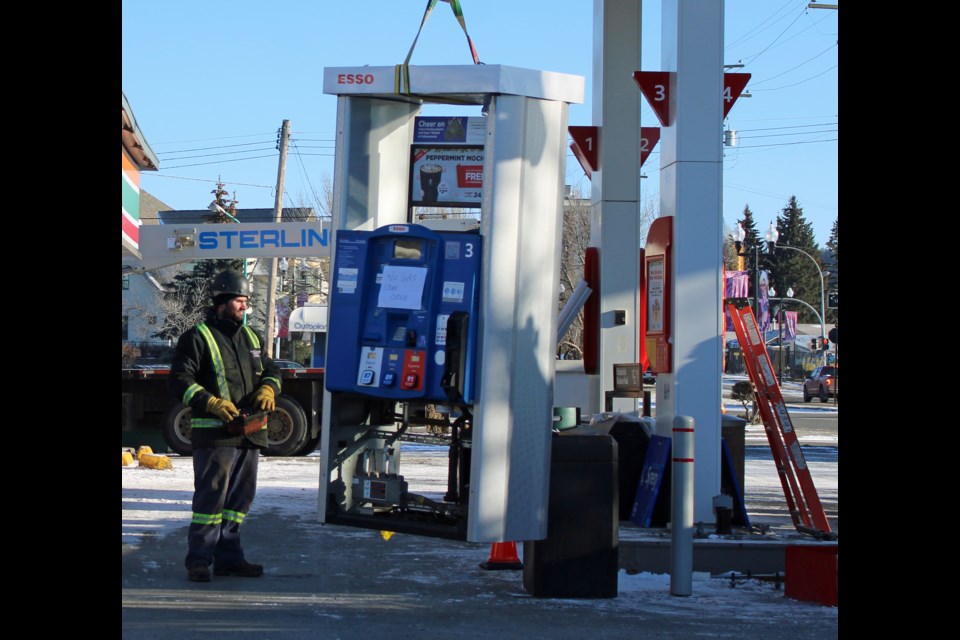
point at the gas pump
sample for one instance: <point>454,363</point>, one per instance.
<point>403,327</point>
<point>444,321</point>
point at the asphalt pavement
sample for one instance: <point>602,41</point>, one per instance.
<point>327,581</point>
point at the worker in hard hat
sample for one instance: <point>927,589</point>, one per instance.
<point>219,371</point>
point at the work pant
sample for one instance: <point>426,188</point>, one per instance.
<point>224,484</point>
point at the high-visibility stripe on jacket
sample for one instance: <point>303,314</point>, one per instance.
<point>218,367</point>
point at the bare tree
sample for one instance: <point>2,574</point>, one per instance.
<point>574,241</point>
<point>576,238</point>
<point>181,309</point>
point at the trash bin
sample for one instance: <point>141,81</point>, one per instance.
<point>580,556</point>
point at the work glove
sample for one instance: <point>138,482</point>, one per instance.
<point>223,409</point>
<point>265,399</point>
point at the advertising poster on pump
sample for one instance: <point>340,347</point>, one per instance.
<point>447,162</point>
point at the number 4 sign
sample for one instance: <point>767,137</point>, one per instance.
<point>733,85</point>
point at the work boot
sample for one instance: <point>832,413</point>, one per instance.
<point>199,573</point>
<point>244,569</point>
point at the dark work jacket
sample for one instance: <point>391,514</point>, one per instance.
<point>193,379</point>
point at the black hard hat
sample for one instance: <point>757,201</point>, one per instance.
<point>229,284</point>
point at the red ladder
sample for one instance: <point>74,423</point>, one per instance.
<point>802,500</point>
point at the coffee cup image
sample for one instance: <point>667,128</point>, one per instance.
<point>430,181</point>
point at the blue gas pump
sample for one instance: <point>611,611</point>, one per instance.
<point>403,314</point>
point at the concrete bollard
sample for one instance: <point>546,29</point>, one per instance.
<point>153,461</point>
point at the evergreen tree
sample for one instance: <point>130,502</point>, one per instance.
<point>188,297</point>
<point>791,269</point>
<point>752,238</point>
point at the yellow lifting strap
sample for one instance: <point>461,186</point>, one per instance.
<point>401,72</point>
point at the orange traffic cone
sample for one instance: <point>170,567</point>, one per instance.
<point>503,555</point>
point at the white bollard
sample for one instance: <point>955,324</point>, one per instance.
<point>681,507</point>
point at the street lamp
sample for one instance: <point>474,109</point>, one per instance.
<point>823,333</point>
<point>780,316</point>
<point>771,239</point>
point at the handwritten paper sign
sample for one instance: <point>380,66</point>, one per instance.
<point>402,287</point>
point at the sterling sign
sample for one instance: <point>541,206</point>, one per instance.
<point>227,238</point>
<point>166,244</point>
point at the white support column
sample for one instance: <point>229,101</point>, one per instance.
<point>691,181</point>
<point>615,187</point>
<point>522,213</point>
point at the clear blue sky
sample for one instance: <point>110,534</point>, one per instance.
<point>211,82</point>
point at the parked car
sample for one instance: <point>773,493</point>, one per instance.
<point>821,383</point>
<point>649,377</point>
<point>288,364</point>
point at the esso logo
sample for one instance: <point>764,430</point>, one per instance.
<point>355,78</point>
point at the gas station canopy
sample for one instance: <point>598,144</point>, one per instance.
<point>453,84</point>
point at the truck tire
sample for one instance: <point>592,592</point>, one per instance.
<point>286,428</point>
<point>309,446</point>
<point>176,428</point>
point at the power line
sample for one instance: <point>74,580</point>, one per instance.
<point>787,144</point>
<point>760,27</point>
<point>769,46</point>
<point>152,174</point>
<point>271,134</point>
<point>796,126</point>
<point>306,175</point>
<point>225,153</point>
<point>787,86</point>
<point>225,146</point>
<point>796,67</point>
<point>200,164</point>
<point>777,135</point>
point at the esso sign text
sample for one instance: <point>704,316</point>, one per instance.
<point>355,78</point>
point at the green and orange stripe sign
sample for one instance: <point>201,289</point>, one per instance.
<point>129,201</point>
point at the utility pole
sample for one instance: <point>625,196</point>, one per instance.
<point>277,216</point>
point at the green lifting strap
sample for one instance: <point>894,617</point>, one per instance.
<point>401,73</point>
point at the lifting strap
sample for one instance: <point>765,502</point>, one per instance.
<point>401,72</point>
<point>802,499</point>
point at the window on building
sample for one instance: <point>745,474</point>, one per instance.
<point>125,282</point>
<point>124,327</point>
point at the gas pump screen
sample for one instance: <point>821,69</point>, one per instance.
<point>408,249</point>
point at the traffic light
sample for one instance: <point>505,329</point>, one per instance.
<point>813,345</point>
<point>826,345</point>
